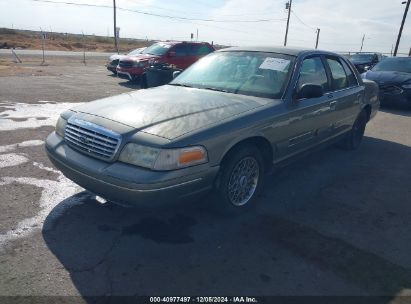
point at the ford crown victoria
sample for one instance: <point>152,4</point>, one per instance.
<point>220,125</point>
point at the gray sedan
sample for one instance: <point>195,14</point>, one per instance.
<point>220,125</point>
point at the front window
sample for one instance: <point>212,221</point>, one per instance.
<point>157,49</point>
<point>339,78</point>
<point>181,50</point>
<point>394,65</point>
<point>313,72</point>
<point>248,73</point>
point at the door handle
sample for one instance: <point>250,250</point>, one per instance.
<point>333,104</point>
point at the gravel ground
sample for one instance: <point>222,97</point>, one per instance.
<point>331,223</point>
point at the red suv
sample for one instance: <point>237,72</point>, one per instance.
<point>180,54</point>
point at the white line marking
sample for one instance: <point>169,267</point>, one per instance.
<point>33,115</point>
<point>28,143</point>
<point>52,193</point>
<point>11,160</point>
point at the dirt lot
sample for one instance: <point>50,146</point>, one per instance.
<point>24,39</point>
<point>332,223</point>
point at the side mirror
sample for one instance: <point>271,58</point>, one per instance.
<point>176,73</point>
<point>171,54</point>
<point>310,91</point>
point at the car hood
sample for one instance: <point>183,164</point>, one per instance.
<point>117,56</point>
<point>385,77</point>
<point>171,111</point>
<point>139,57</point>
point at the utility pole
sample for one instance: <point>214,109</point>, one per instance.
<point>197,35</point>
<point>287,6</point>
<point>362,42</point>
<point>401,27</point>
<point>43,38</point>
<point>318,37</point>
<point>84,49</point>
<point>115,27</point>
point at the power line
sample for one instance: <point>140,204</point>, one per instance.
<point>248,13</point>
<point>155,14</point>
<point>302,22</point>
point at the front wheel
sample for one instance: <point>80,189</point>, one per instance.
<point>241,178</point>
<point>143,82</point>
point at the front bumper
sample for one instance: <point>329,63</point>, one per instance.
<point>111,68</point>
<point>126,184</point>
<point>395,95</point>
<point>130,73</point>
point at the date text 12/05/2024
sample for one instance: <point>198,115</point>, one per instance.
<point>203,300</point>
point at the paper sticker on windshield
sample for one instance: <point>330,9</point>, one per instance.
<point>276,64</point>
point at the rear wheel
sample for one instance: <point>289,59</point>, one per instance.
<point>241,178</point>
<point>353,139</point>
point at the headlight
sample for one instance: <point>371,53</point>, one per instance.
<point>163,159</point>
<point>61,126</point>
<point>407,86</point>
<point>139,155</point>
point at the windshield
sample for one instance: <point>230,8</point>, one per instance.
<point>362,57</point>
<point>157,49</point>
<point>136,51</point>
<point>394,65</point>
<point>248,73</point>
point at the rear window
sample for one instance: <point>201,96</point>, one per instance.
<point>352,81</point>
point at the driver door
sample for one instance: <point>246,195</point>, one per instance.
<point>310,119</point>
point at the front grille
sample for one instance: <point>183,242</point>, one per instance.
<point>92,139</point>
<point>390,89</point>
<point>114,62</point>
<point>126,64</point>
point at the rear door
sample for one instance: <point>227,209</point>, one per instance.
<point>345,94</point>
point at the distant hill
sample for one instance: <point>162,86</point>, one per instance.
<point>24,39</point>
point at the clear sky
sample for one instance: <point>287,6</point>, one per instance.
<point>342,22</point>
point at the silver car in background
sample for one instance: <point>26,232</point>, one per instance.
<point>115,59</point>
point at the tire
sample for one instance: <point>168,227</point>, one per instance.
<point>143,82</point>
<point>353,139</point>
<point>242,169</point>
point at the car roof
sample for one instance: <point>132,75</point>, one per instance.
<point>174,42</point>
<point>292,51</point>
<point>366,53</point>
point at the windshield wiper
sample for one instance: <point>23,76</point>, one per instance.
<point>181,85</point>
<point>216,89</point>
